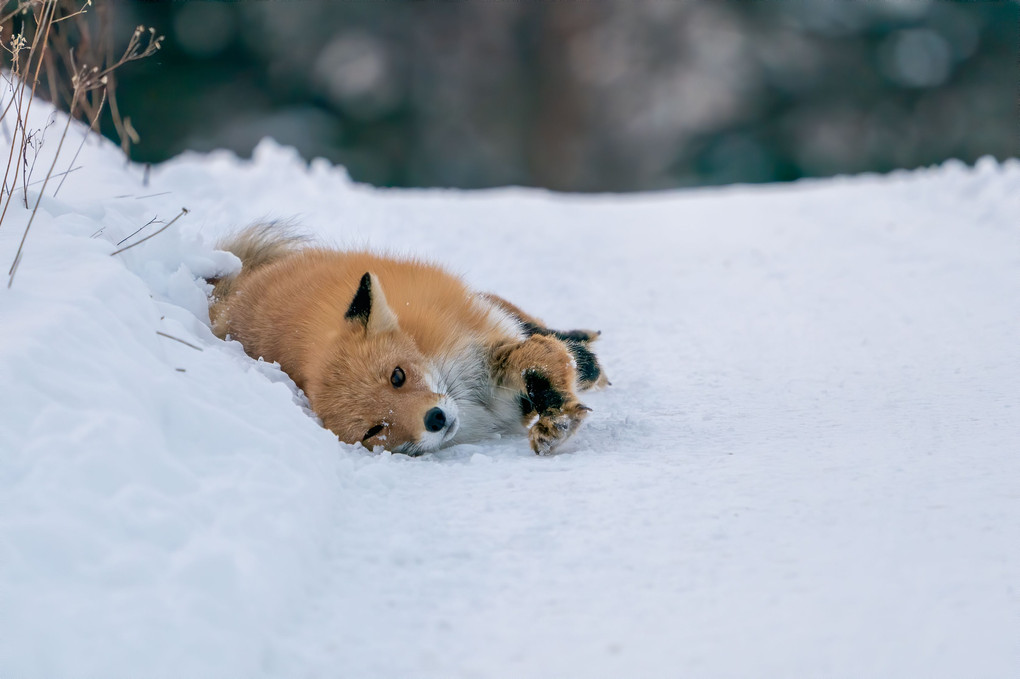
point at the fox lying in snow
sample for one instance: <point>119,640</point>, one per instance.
<point>399,353</point>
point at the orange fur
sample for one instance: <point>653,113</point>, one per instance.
<point>460,352</point>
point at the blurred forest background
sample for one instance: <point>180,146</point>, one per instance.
<point>580,95</point>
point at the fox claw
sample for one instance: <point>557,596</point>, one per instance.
<point>556,427</point>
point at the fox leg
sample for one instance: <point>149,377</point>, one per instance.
<point>590,374</point>
<point>542,370</point>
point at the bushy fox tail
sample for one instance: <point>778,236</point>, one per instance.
<point>256,246</point>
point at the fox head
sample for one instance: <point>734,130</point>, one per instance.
<point>377,387</point>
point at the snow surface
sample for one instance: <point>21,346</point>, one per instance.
<point>807,464</point>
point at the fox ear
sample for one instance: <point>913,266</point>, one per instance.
<point>369,307</point>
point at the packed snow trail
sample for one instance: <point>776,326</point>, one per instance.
<point>807,464</point>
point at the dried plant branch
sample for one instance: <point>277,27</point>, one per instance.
<point>178,339</point>
<point>56,174</point>
<point>45,39</point>
<point>21,245</point>
<point>137,231</point>
<point>44,21</point>
<point>166,226</point>
<point>91,128</point>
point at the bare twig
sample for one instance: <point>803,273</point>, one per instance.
<point>11,102</point>
<point>37,44</point>
<point>35,141</point>
<point>84,138</point>
<point>21,245</point>
<point>57,174</point>
<point>44,23</point>
<point>137,230</point>
<point>183,212</point>
<point>178,339</point>
<point>16,98</point>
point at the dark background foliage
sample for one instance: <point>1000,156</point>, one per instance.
<point>581,95</point>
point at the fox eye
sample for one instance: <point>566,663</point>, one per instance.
<point>372,432</point>
<point>397,378</point>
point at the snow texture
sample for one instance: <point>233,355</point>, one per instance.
<point>807,465</point>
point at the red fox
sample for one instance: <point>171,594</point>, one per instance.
<point>399,353</point>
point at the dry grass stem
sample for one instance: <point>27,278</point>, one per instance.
<point>178,339</point>
<point>166,226</point>
<point>31,218</point>
<point>38,33</point>
<point>84,138</point>
<point>136,231</point>
<point>44,21</point>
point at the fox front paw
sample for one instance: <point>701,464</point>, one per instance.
<point>559,412</point>
<point>556,426</point>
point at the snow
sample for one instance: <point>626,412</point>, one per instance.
<point>807,464</point>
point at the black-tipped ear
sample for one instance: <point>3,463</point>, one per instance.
<point>361,306</point>
<point>369,307</point>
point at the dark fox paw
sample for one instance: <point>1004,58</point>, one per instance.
<point>556,426</point>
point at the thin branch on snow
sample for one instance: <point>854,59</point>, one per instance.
<point>183,212</point>
<point>132,235</point>
<point>58,174</point>
<point>91,128</point>
<point>42,191</point>
<point>178,339</point>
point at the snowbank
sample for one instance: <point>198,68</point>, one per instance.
<point>806,466</point>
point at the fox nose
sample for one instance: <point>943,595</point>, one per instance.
<point>435,419</point>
